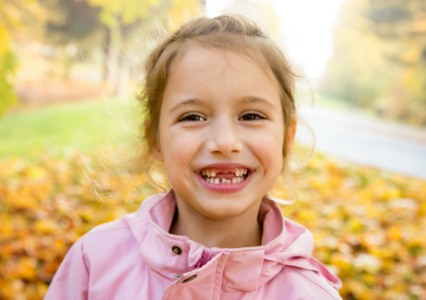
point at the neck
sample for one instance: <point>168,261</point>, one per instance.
<point>228,233</point>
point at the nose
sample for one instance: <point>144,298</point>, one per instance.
<point>224,137</point>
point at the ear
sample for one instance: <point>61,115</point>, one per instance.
<point>156,153</point>
<point>291,133</point>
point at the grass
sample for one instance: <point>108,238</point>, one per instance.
<point>85,126</point>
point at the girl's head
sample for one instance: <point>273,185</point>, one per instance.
<point>230,33</point>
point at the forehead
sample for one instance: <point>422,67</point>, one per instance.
<point>208,58</point>
<point>216,78</point>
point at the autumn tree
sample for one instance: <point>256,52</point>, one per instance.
<point>75,24</point>
<point>15,16</point>
<point>7,68</point>
<point>379,58</point>
<point>401,25</point>
<point>122,18</point>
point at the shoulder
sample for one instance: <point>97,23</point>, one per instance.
<point>107,228</point>
<point>112,234</point>
<point>297,283</point>
<point>109,248</point>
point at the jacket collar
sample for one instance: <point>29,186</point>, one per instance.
<point>284,243</point>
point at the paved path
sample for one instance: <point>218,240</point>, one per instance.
<point>367,141</point>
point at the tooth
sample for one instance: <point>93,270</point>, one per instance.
<point>213,173</point>
<point>216,181</point>
<point>239,179</point>
<point>234,180</point>
<point>223,181</point>
<point>244,171</point>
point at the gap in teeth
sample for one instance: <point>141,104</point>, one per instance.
<point>212,174</point>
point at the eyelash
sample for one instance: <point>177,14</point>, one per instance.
<point>192,117</point>
<point>252,117</point>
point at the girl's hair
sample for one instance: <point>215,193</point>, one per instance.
<point>226,32</point>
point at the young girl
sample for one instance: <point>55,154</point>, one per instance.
<point>221,118</point>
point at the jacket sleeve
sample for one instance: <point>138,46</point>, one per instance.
<point>71,279</point>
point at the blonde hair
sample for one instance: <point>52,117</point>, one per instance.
<point>227,32</point>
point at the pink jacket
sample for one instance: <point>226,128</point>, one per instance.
<point>136,258</point>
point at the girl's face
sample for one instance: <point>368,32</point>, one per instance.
<point>221,133</point>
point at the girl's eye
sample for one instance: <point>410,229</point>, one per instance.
<point>192,117</point>
<point>252,117</point>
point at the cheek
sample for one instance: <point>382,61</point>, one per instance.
<point>269,149</point>
<point>177,149</point>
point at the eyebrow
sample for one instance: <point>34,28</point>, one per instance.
<point>244,100</point>
<point>191,101</point>
<point>255,99</point>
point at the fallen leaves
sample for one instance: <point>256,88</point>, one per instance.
<point>368,224</point>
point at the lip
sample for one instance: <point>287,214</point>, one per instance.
<point>225,166</point>
<point>222,187</point>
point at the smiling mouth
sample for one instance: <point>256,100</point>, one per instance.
<point>219,176</point>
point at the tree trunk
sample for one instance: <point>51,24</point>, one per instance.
<point>106,53</point>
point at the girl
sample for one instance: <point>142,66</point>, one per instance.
<point>221,118</point>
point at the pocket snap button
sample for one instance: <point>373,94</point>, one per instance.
<point>176,250</point>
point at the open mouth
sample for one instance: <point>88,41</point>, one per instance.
<point>229,176</point>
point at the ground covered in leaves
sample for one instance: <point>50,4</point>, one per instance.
<point>368,224</point>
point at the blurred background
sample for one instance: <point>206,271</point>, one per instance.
<point>69,128</point>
